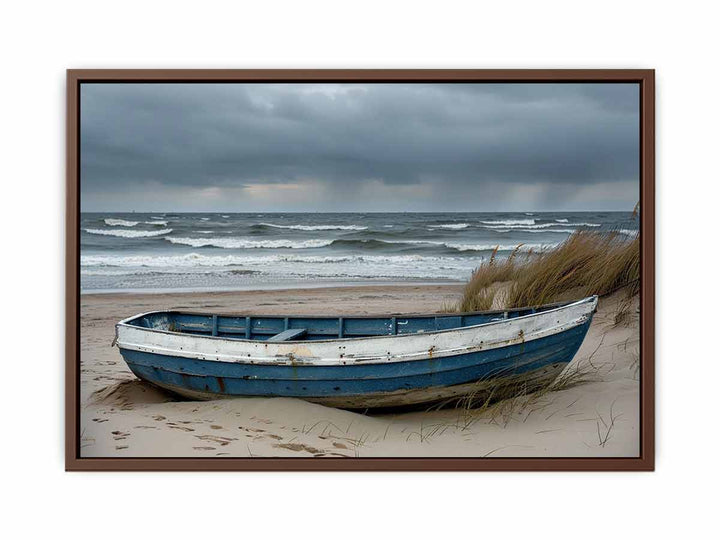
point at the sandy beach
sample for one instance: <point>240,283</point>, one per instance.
<point>121,416</point>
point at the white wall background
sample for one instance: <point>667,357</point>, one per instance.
<point>39,41</point>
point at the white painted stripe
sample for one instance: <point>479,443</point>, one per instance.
<point>352,351</point>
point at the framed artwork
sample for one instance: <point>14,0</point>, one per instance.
<point>360,270</point>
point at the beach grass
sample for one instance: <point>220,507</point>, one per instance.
<point>586,263</point>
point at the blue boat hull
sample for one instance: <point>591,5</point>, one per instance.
<point>365,386</point>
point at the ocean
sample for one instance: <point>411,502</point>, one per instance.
<point>199,251</point>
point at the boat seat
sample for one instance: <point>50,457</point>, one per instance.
<point>287,335</point>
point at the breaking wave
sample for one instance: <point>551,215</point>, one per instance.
<point>500,247</point>
<point>120,222</point>
<point>243,243</point>
<point>530,227</point>
<point>190,260</point>
<point>454,226</point>
<point>509,222</point>
<point>316,227</point>
<point>128,234</point>
<point>347,244</point>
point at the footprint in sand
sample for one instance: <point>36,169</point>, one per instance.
<point>298,447</point>
<point>222,441</point>
<point>175,426</point>
<point>216,427</point>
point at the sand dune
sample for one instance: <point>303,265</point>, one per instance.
<point>122,416</point>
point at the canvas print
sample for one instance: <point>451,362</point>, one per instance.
<point>359,270</point>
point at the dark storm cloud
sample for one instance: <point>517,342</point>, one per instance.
<point>459,138</point>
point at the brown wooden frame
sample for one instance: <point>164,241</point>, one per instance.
<point>645,462</point>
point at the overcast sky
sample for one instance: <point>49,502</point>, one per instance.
<point>359,147</point>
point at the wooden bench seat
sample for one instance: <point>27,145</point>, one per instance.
<point>288,335</point>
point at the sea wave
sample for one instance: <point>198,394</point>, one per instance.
<point>158,222</point>
<point>128,234</point>
<point>500,247</point>
<point>243,243</point>
<point>120,222</point>
<point>454,226</point>
<point>433,244</point>
<point>190,260</point>
<point>529,227</point>
<point>316,227</point>
<point>561,220</point>
<point>509,222</point>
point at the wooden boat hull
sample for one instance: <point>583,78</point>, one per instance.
<point>377,372</point>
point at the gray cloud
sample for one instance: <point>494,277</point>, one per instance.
<point>248,147</point>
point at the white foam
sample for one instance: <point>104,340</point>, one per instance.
<point>529,227</point>
<point>628,232</point>
<point>158,222</point>
<point>509,222</point>
<point>225,216</point>
<point>205,218</point>
<point>243,243</point>
<point>500,247</point>
<point>128,234</point>
<point>317,227</point>
<point>190,260</point>
<point>120,222</point>
<point>473,247</point>
<point>455,226</point>
<point>561,220</point>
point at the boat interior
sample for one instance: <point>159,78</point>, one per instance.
<point>306,328</point>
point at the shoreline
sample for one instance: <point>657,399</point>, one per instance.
<point>278,288</point>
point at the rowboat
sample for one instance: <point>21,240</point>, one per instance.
<point>355,362</point>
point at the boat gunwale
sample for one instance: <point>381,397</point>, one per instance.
<point>559,305</point>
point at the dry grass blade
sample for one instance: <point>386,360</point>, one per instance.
<point>586,263</point>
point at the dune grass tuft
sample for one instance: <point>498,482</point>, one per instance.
<point>586,263</point>
<point>480,292</point>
